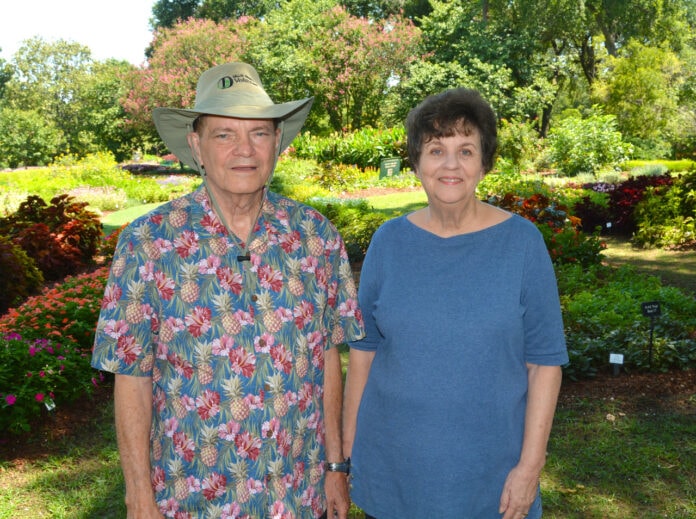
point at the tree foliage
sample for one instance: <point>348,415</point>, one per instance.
<point>27,138</point>
<point>641,88</point>
<point>166,13</point>
<point>367,62</point>
<point>179,55</point>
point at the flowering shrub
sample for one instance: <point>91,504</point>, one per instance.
<point>67,312</point>
<point>38,375</point>
<point>45,349</point>
<point>561,231</point>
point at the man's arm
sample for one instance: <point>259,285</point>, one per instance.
<point>522,482</point>
<point>336,483</point>
<point>133,410</point>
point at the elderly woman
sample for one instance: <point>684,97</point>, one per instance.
<point>450,397</point>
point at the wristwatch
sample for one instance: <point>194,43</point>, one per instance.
<point>343,466</point>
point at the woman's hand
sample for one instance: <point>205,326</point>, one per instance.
<point>520,490</point>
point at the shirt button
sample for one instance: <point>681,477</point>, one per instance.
<point>254,297</point>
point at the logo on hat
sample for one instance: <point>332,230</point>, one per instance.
<point>226,82</point>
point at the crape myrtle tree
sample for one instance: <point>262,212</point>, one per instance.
<point>179,55</point>
<point>303,48</point>
<point>348,63</point>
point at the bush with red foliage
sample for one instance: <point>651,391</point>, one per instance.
<point>623,198</point>
<point>62,237</point>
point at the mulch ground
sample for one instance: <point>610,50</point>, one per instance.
<point>671,392</point>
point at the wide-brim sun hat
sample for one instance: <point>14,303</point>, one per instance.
<point>229,90</point>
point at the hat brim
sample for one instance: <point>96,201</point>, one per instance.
<point>174,124</point>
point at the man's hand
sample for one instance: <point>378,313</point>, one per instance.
<point>337,497</point>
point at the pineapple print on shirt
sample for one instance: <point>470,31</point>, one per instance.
<point>235,350</point>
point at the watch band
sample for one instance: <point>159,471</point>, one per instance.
<point>343,466</point>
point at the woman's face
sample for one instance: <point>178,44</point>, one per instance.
<point>450,168</point>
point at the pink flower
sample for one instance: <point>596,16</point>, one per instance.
<point>10,399</point>
<point>39,397</point>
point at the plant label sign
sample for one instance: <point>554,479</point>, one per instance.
<point>616,358</point>
<point>651,308</point>
<point>389,167</point>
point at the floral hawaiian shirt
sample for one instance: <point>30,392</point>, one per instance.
<point>235,348</point>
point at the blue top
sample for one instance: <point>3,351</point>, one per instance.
<point>453,322</point>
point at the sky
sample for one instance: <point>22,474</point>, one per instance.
<point>110,28</point>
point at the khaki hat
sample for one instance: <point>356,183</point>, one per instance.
<point>229,90</point>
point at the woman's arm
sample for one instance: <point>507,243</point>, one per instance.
<point>523,480</point>
<point>359,363</point>
<point>133,410</point>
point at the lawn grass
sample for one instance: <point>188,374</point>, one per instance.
<point>398,203</point>
<point>113,221</point>
<point>672,267</point>
<point>603,463</point>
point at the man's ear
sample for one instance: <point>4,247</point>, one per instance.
<point>193,140</point>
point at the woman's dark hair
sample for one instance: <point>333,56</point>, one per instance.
<point>448,113</point>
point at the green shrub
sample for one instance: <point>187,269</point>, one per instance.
<point>579,145</point>
<point>354,219</point>
<point>602,315</point>
<point>20,276</point>
<point>363,148</point>
<point>666,217</point>
<point>62,238</point>
<point>513,183</point>
<point>519,144</point>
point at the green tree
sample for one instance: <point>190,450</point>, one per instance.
<point>641,88</point>
<point>166,13</point>
<point>102,116</point>
<point>48,77</point>
<point>6,73</point>
<point>27,138</point>
<point>219,10</point>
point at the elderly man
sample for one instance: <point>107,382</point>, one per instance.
<point>220,320</point>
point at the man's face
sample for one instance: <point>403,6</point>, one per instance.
<point>238,154</point>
